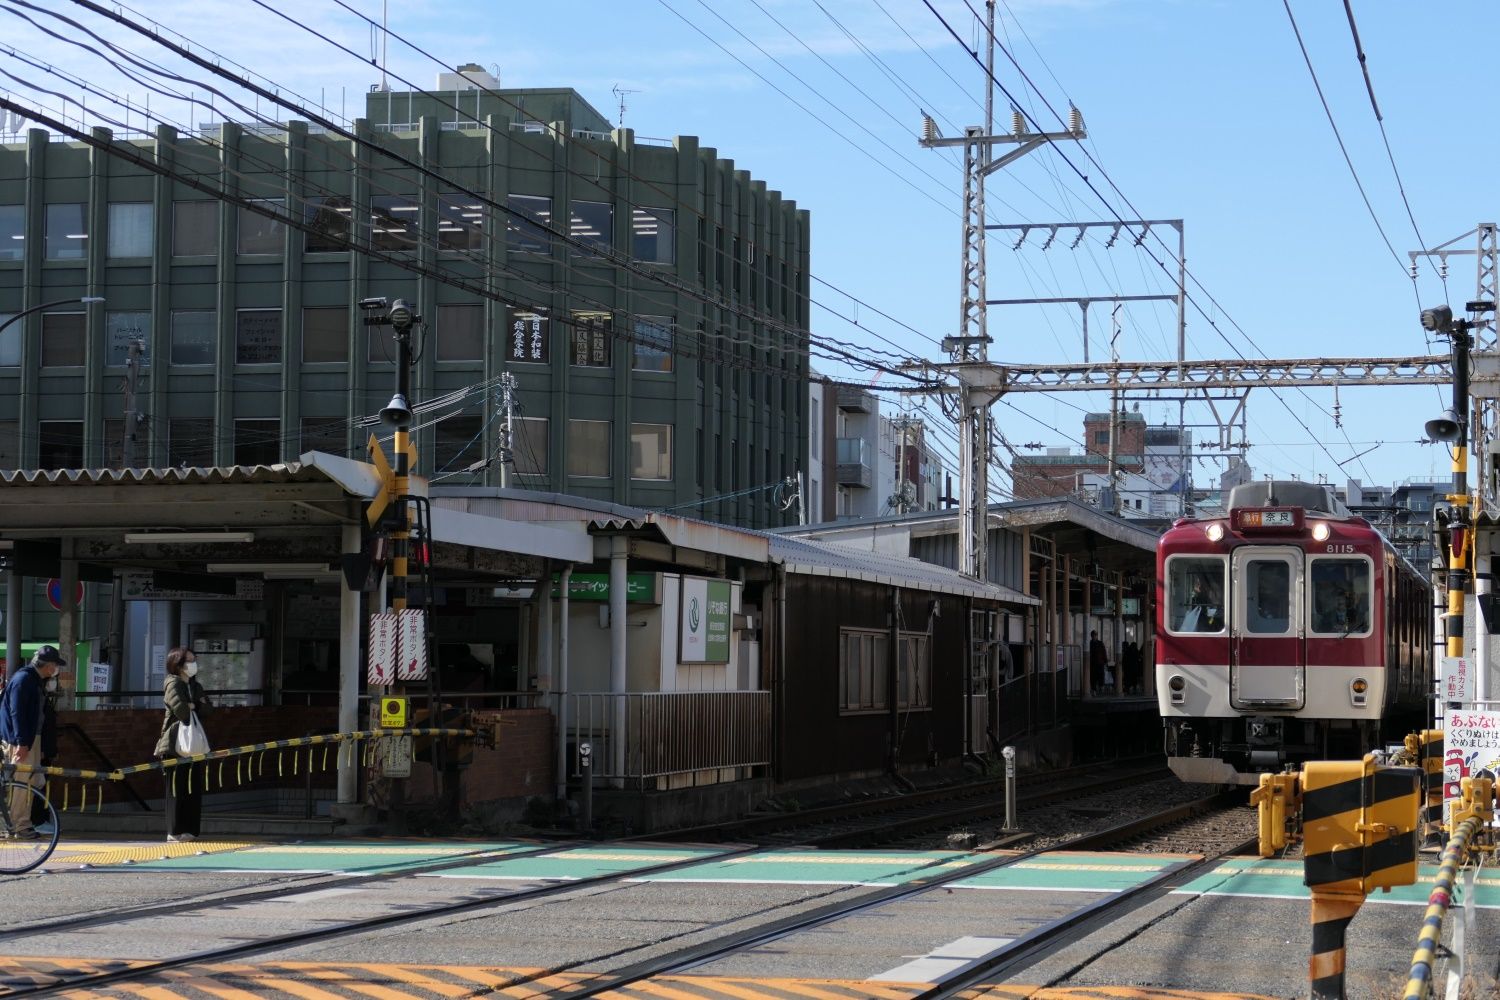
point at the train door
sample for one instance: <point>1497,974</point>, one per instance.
<point>1266,654</point>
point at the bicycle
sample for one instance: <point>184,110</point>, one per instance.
<point>21,853</point>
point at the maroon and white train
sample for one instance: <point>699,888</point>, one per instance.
<point>1290,630</point>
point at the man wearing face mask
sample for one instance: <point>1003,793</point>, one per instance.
<point>184,698</point>
<point>23,709</point>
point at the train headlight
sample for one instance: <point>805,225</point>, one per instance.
<point>1357,691</point>
<point>1215,532</point>
<point>1176,687</point>
<point>1320,531</point>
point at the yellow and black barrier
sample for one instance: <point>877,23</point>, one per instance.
<point>1425,750</point>
<point>1472,814</point>
<point>1359,824</point>
<point>249,761</point>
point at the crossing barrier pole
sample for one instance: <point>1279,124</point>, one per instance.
<point>586,769</point>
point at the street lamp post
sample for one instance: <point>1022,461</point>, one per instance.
<point>86,300</point>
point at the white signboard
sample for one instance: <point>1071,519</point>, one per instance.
<point>140,585</point>
<point>395,756</point>
<point>1471,748</point>
<point>1458,680</point>
<point>382,665</point>
<point>411,643</point>
<point>99,677</point>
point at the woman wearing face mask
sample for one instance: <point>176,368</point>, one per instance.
<point>184,696</point>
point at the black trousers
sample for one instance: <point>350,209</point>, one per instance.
<point>185,798</point>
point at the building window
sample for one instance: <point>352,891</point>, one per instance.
<point>121,329</point>
<point>257,337</point>
<point>457,443</point>
<point>592,223</point>
<point>195,228</point>
<point>530,339</point>
<point>190,443</point>
<point>1101,437</point>
<point>257,442</point>
<point>460,333</point>
<point>523,234</point>
<point>63,336</point>
<point>60,444</point>
<point>650,451</point>
<point>325,334</point>
<point>326,434</point>
<point>12,232</point>
<point>653,235</point>
<point>588,448</point>
<point>591,336</point>
<point>914,675</point>
<point>262,234</point>
<point>114,444</point>
<point>10,340</point>
<point>651,348</point>
<point>329,220</point>
<point>10,444</point>
<point>393,222</point>
<point>529,440</point>
<point>194,334</point>
<point>460,223</point>
<point>864,661</point>
<point>67,231</point>
<point>130,229</point>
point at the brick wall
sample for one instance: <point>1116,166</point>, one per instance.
<point>523,762</point>
<point>127,736</point>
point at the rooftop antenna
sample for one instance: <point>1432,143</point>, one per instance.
<point>620,93</point>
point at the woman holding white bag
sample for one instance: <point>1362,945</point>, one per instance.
<point>182,735</point>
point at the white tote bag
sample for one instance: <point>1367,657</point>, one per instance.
<point>191,739</point>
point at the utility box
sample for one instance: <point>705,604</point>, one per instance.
<point>1360,823</point>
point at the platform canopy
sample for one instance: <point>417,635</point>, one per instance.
<point>279,521</point>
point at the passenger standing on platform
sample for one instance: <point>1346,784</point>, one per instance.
<point>23,711</point>
<point>184,697</point>
<point>1098,660</point>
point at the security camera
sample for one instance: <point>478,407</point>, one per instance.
<point>377,302</point>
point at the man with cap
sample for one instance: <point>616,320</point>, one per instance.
<point>23,705</point>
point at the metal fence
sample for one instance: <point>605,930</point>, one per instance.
<point>671,739</point>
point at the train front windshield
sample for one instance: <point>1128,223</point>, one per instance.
<point>1195,594</point>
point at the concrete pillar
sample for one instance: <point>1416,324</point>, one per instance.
<point>349,622</point>
<point>67,624</point>
<point>544,669</point>
<point>618,549</point>
<point>562,684</point>
<point>14,581</point>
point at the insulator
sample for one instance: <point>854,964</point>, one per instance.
<point>929,129</point>
<point>1075,120</point>
<point>1017,121</point>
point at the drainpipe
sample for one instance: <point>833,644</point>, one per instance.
<point>892,686</point>
<point>619,548</point>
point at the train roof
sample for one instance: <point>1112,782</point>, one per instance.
<point>1318,497</point>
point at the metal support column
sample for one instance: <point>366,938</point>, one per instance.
<point>349,629</point>
<point>618,553</point>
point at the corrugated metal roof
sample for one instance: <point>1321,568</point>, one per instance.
<point>294,472</point>
<point>801,555</point>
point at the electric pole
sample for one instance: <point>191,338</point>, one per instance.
<point>1114,418</point>
<point>971,344</point>
<point>133,419</point>
<point>507,427</point>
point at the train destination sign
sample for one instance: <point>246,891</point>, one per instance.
<point>1267,518</point>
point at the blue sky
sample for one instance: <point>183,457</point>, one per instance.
<point>1200,110</point>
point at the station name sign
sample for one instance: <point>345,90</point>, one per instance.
<point>148,585</point>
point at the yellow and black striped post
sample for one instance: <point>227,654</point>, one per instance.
<point>1360,824</point>
<point>1426,749</point>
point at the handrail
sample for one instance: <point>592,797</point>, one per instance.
<point>109,765</point>
<point>1438,901</point>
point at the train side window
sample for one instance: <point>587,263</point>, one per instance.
<point>1340,603</point>
<point>1195,594</point>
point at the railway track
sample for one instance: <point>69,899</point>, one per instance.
<point>925,874</point>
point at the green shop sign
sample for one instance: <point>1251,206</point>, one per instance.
<point>640,588</point>
<point>706,620</point>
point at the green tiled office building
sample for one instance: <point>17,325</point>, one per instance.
<point>672,372</point>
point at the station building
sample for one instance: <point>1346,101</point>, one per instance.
<point>660,350</point>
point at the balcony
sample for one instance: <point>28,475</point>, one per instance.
<point>853,463</point>
<point>852,399</point>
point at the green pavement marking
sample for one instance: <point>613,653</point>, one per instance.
<point>331,856</point>
<point>579,863</point>
<point>1076,872</point>
<point>824,867</point>
<point>1271,878</point>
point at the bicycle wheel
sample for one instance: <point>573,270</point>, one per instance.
<point>21,853</point>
